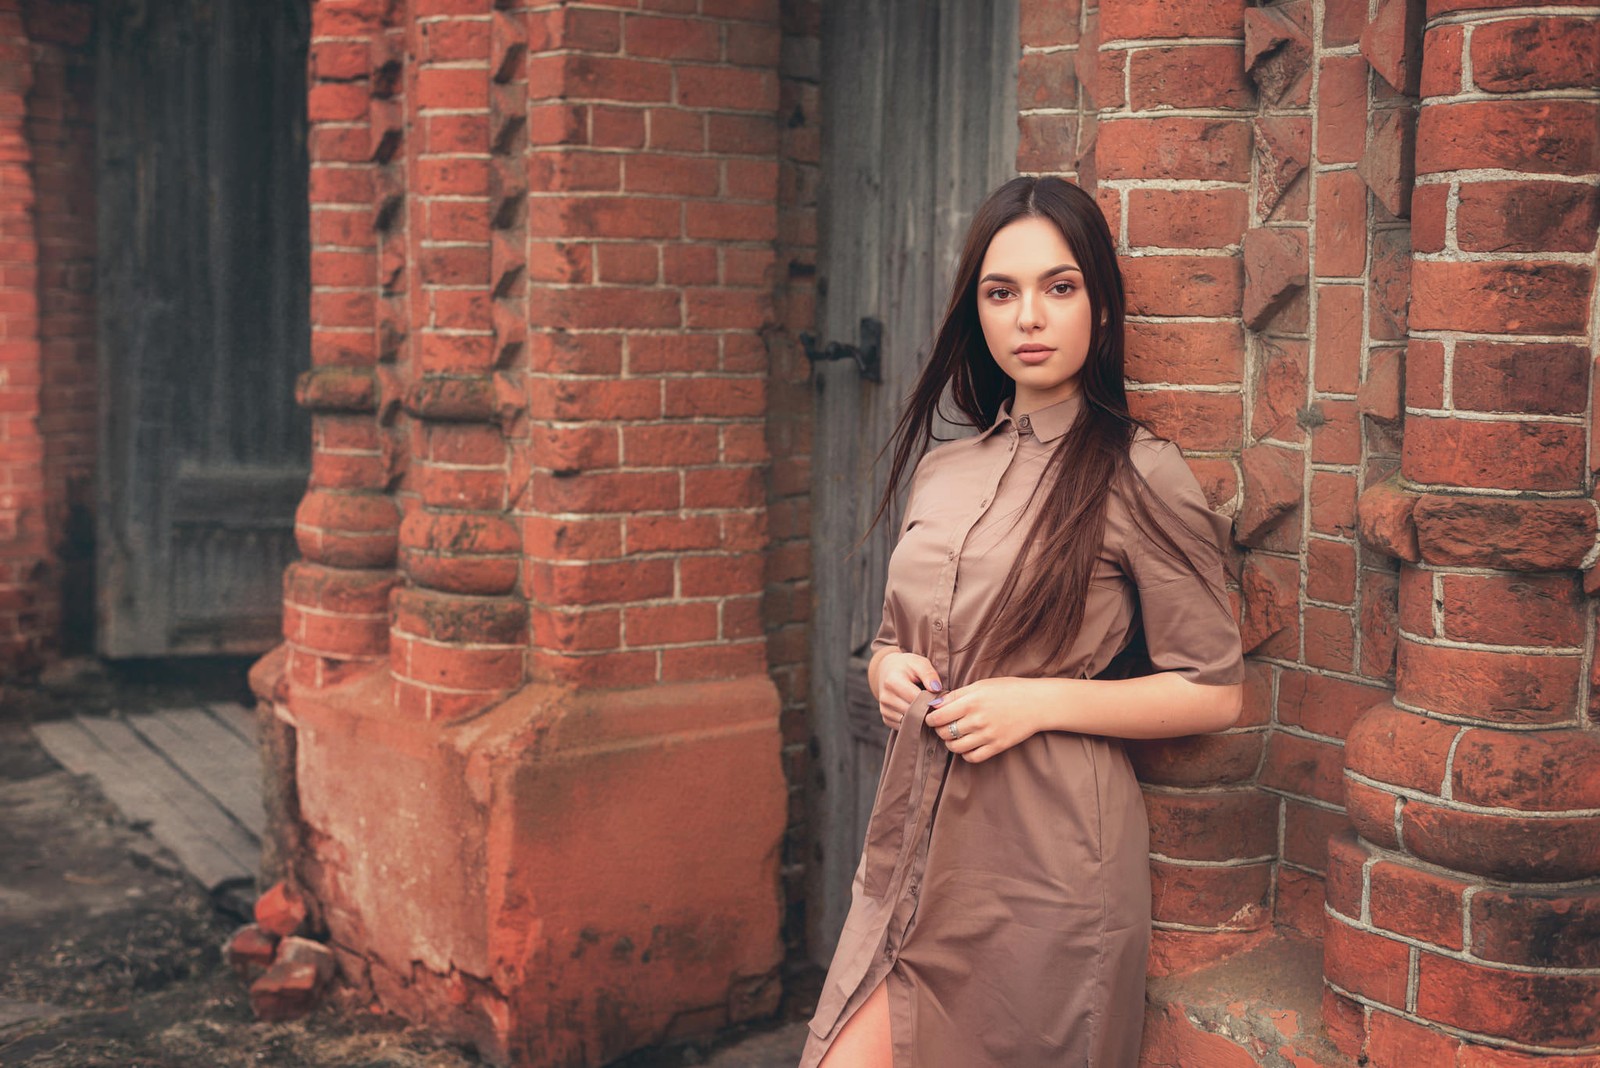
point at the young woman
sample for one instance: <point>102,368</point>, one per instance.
<point>1057,586</point>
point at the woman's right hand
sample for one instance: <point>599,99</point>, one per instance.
<point>900,677</point>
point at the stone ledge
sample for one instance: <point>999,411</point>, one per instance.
<point>1260,1009</point>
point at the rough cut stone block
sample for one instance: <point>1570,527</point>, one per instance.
<point>280,911</point>
<point>1517,535</point>
<point>250,951</point>
<point>1277,52</point>
<point>1282,150</point>
<point>294,950</point>
<point>1385,516</point>
<point>1275,269</point>
<point>1379,395</point>
<point>1269,585</point>
<point>1272,490</point>
<point>1388,163</point>
<point>287,991</point>
<point>1392,43</point>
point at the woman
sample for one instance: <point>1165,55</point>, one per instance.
<point>1000,915</point>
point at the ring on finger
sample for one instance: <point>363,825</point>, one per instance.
<point>955,732</point>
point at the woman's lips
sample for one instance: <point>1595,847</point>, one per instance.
<point>1033,356</point>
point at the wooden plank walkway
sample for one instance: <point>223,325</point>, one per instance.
<point>192,775</point>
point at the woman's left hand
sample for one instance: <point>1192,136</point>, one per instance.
<point>990,715</point>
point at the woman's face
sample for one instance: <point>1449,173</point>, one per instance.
<point>1035,311</point>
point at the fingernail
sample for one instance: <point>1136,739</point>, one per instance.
<point>936,702</point>
<point>934,685</point>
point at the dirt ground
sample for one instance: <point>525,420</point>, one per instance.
<point>110,956</point>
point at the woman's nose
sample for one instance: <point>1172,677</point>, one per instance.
<point>1030,311</point>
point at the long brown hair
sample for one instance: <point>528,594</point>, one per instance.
<point>1044,603</point>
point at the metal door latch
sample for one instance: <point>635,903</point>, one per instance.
<point>867,355</point>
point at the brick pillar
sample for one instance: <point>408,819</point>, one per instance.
<point>60,134</point>
<point>526,647</point>
<point>26,614</point>
<point>453,273</point>
<point>1465,915</point>
<point>1169,126</point>
<point>336,597</point>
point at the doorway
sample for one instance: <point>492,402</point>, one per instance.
<point>919,119</point>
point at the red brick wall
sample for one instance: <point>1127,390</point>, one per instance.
<point>61,132</point>
<point>47,385</point>
<point>1267,174</point>
<point>26,622</point>
<point>546,263</point>
<point>1465,915</point>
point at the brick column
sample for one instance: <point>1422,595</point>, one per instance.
<point>1465,915</point>
<point>336,597</point>
<point>26,616</point>
<point>526,645</point>
<point>454,268</point>
<point>1169,122</point>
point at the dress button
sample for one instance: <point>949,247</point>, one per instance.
<point>888,953</point>
<point>938,624</point>
<point>951,555</point>
<point>984,503</point>
<point>1025,423</point>
<point>913,888</point>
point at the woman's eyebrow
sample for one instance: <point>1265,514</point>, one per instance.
<point>996,277</point>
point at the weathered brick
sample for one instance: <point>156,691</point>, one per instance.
<point>1524,297</point>
<point>1392,43</point>
<point>1520,455</point>
<point>1366,964</point>
<point>1277,53</point>
<point>1528,216</point>
<point>1275,270</point>
<point>1273,478</point>
<point>1183,285</point>
<point>1395,1040</point>
<point>1441,61</point>
<point>1519,55</point>
<point>1552,1010</point>
<point>1547,929</point>
<point>1216,825</point>
<point>1531,535</point>
<point>1177,147</point>
<point>1186,218</point>
<point>1540,136</point>
<point>1341,109</point>
<point>1417,903</point>
<point>1171,18</point>
<point>1235,897</point>
<point>1529,609</point>
<point>1511,688</point>
<point>1528,770</point>
<point>1188,76</point>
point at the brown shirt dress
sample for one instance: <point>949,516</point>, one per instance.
<point>1007,903</point>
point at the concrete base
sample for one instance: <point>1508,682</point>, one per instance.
<point>563,879</point>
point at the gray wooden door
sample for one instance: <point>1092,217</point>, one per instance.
<point>919,122</point>
<point>203,319</point>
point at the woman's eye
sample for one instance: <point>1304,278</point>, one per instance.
<point>999,293</point>
<point>1062,288</point>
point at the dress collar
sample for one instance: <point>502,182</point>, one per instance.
<point>1047,423</point>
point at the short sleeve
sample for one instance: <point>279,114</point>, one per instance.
<point>1188,621</point>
